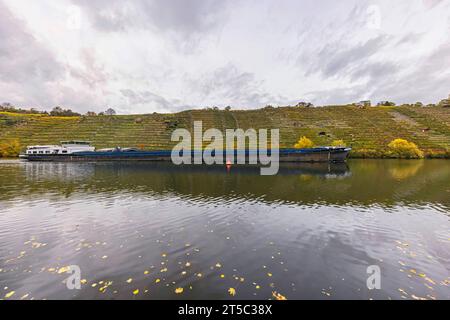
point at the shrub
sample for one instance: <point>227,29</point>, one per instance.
<point>304,142</point>
<point>10,148</point>
<point>338,143</point>
<point>401,148</point>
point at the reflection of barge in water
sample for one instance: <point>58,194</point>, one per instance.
<point>83,151</point>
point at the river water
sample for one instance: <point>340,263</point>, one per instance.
<point>158,231</point>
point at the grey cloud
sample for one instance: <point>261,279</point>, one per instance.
<point>175,15</point>
<point>374,71</point>
<point>333,60</point>
<point>92,74</point>
<point>430,80</point>
<point>146,101</point>
<point>22,57</point>
<point>234,87</point>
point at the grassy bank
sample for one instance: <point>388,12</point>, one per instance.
<point>368,130</point>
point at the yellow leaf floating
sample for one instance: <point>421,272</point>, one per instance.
<point>83,281</point>
<point>257,287</point>
<point>63,270</point>
<point>146,272</point>
<point>135,292</point>
<point>157,280</point>
<point>129,280</point>
<point>179,290</point>
<point>278,296</point>
<point>269,274</point>
<point>164,270</point>
<point>222,276</point>
<point>232,291</point>
<point>218,265</point>
<point>9,294</point>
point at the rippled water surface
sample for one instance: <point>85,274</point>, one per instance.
<point>309,232</point>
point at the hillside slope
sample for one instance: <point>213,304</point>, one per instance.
<point>367,130</point>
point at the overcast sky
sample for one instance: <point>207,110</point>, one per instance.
<point>143,56</point>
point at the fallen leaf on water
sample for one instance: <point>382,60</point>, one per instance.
<point>188,264</point>
<point>129,280</point>
<point>232,291</point>
<point>135,292</point>
<point>222,276</point>
<point>278,296</point>
<point>157,280</point>
<point>24,296</point>
<point>269,274</point>
<point>146,272</point>
<point>199,275</point>
<point>164,255</point>
<point>179,290</point>
<point>51,269</point>
<point>104,257</point>
<point>9,294</point>
<point>402,291</point>
<point>218,265</point>
<point>63,270</point>
<point>257,287</point>
<point>83,281</point>
<point>164,270</point>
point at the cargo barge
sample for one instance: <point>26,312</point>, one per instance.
<point>83,151</point>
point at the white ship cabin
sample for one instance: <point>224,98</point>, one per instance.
<point>66,147</point>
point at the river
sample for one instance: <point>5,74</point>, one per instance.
<point>158,231</point>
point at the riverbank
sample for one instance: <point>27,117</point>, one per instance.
<point>367,130</point>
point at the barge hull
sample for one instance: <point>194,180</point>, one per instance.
<point>285,155</point>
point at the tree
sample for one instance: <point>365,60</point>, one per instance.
<point>59,111</point>
<point>10,148</point>
<point>401,148</point>
<point>304,142</point>
<point>110,112</point>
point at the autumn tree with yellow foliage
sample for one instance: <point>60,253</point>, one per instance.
<point>10,148</point>
<point>304,142</point>
<point>401,148</point>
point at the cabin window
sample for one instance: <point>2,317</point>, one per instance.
<point>34,152</point>
<point>41,151</point>
<point>64,151</point>
<point>47,151</point>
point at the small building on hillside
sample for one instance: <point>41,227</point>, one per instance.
<point>363,103</point>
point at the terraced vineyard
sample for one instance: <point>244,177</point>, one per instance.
<point>367,130</point>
